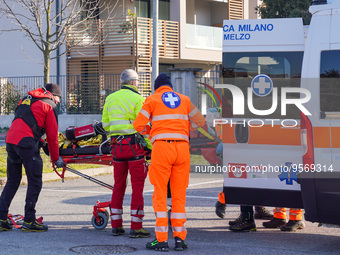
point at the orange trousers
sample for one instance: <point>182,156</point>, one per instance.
<point>221,198</point>
<point>170,160</point>
<point>294,214</point>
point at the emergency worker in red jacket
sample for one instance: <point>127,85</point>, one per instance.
<point>170,114</point>
<point>35,115</point>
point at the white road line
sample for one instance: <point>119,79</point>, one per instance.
<point>201,183</point>
<point>214,198</point>
<point>145,192</point>
<point>109,193</point>
<point>191,185</point>
<point>77,191</point>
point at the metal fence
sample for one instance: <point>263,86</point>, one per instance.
<point>82,94</point>
<point>85,94</point>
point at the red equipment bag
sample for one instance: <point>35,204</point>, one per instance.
<point>15,219</point>
<point>80,133</point>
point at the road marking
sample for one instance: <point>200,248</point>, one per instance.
<point>145,192</point>
<point>76,191</point>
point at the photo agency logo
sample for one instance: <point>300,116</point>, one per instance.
<point>262,86</point>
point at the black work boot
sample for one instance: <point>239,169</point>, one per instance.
<point>293,225</point>
<point>262,213</point>
<point>220,209</point>
<point>118,231</point>
<point>34,226</point>
<point>139,233</point>
<point>158,246</point>
<point>246,225</point>
<point>5,226</point>
<point>236,221</point>
<point>274,223</point>
<point>180,245</point>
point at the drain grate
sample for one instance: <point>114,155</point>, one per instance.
<point>103,249</point>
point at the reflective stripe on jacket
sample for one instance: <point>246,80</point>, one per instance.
<point>120,110</point>
<point>169,114</point>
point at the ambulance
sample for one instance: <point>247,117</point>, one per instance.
<point>281,146</point>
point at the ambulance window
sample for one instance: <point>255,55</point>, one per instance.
<point>284,69</point>
<point>329,81</point>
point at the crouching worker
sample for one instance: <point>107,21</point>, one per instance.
<point>170,114</point>
<point>35,115</point>
<point>128,151</point>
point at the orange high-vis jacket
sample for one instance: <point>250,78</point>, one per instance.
<point>170,115</point>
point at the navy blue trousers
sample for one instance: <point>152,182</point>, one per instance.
<point>29,158</point>
<point>247,212</point>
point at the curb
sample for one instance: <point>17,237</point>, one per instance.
<point>68,175</point>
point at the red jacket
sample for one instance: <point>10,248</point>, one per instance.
<point>45,113</point>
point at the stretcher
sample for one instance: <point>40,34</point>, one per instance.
<point>201,144</point>
<point>94,154</point>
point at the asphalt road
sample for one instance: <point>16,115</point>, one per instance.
<point>67,209</point>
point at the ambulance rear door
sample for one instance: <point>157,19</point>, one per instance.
<point>320,188</point>
<point>261,141</point>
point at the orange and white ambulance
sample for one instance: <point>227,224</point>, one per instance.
<point>281,147</point>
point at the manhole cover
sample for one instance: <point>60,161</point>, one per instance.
<point>103,249</point>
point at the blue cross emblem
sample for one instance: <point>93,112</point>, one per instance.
<point>171,99</point>
<point>262,85</point>
<point>288,173</point>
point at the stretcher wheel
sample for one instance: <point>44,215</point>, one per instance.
<point>103,221</point>
<point>107,214</point>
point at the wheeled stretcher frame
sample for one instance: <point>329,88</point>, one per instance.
<point>89,155</point>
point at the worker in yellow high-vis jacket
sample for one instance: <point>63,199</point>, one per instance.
<point>128,152</point>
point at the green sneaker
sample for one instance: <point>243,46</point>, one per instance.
<point>34,227</point>
<point>139,233</point>
<point>262,213</point>
<point>274,223</point>
<point>158,246</point>
<point>244,226</point>
<point>293,225</point>
<point>5,226</point>
<point>236,221</point>
<point>118,231</point>
<point>180,245</point>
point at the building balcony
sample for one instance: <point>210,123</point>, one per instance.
<point>204,37</point>
<point>125,39</point>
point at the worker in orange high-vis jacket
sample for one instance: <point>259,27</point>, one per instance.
<point>170,115</point>
<point>280,219</point>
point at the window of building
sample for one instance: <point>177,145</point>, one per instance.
<point>144,9</point>
<point>90,10</point>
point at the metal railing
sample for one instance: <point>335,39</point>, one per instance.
<point>85,94</point>
<point>82,94</point>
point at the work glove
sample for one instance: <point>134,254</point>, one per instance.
<point>219,149</point>
<point>60,162</point>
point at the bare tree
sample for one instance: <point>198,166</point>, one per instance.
<point>45,22</point>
